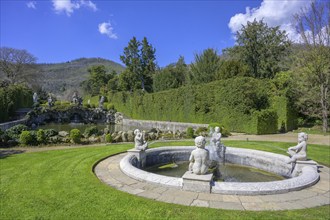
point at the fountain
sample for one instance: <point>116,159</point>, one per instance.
<point>299,174</point>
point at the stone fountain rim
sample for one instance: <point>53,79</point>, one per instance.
<point>308,176</point>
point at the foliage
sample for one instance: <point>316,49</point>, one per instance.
<point>261,48</point>
<point>313,74</point>
<point>170,77</point>
<point>50,133</point>
<point>72,167</point>
<point>232,68</point>
<point>14,132</point>
<point>90,131</point>
<point>139,58</point>
<point>75,135</point>
<point>27,138</point>
<point>98,78</point>
<point>108,138</point>
<point>231,102</point>
<point>190,132</point>
<point>12,98</point>
<point>41,137</point>
<point>205,67</point>
<point>266,121</point>
<point>110,106</point>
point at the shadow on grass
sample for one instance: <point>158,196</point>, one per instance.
<point>8,153</point>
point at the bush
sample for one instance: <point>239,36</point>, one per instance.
<point>108,138</point>
<point>14,132</point>
<point>201,131</point>
<point>41,136</point>
<point>190,132</point>
<point>27,138</point>
<point>50,133</point>
<point>110,106</point>
<point>87,105</point>
<point>90,131</point>
<point>75,135</point>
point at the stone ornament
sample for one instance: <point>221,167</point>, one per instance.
<point>140,142</point>
<point>35,98</point>
<point>299,152</point>
<point>199,158</point>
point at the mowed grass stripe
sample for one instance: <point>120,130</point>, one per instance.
<point>60,184</point>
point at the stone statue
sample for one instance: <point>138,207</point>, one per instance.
<point>35,98</point>
<point>101,102</point>
<point>75,98</point>
<point>50,101</point>
<point>216,138</point>
<point>299,152</point>
<point>199,158</point>
<point>140,142</point>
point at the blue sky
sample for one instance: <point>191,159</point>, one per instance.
<point>63,30</point>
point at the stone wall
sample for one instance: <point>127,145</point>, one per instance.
<point>7,125</point>
<point>161,125</point>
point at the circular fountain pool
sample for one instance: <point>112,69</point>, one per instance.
<point>300,177</point>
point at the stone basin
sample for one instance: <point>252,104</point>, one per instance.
<point>303,175</point>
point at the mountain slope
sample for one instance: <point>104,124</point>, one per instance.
<point>62,78</point>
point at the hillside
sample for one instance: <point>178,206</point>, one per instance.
<point>62,78</point>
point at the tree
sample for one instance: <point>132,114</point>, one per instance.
<point>205,67</point>
<point>313,24</point>
<point>262,48</point>
<point>139,59</point>
<point>97,79</point>
<point>14,62</point>
<point>170,77</point>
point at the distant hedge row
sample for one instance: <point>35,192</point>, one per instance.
<point>241,104</point>
<point>12,98</point>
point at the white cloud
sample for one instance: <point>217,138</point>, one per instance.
<point>274,13</point>
<point>69,6</point>
<point>32,4</point>
<point>107,29</point>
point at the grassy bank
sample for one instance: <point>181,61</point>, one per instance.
<point>60,184</point>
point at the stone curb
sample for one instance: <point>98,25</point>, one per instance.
<point>108,171</point>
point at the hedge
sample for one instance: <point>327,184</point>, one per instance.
<point>232,102</point>
<point>12,98</point>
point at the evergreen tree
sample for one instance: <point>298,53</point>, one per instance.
<point>205,67</point>
<point>139,59</point>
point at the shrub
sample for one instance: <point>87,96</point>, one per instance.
<point>87,105</point>
<point>26,138</point>
<point>50,133</point>
<point>75,135</point>
<point>108,138</point>
<point>190,132</point>
<point>110,106</point>
<point>93,105</point>
<point>41,136</point>
<point>90,131</point>
<point>14,132</point>
<point>201,131</point>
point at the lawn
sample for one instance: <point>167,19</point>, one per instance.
<point>60,184</point>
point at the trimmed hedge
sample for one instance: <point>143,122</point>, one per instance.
<point>287,116</point>
<point>265,121</point>
<point>12,98</point>
<point>232,103</point>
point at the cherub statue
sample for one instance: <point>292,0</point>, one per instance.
<point>199,158</point>
<point>140,142</point>
<point>216,137</point>
<point>299,152</point>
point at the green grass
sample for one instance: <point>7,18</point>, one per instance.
<point>312,130</point>
<point>60,184</point>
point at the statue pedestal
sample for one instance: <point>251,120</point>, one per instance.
<point>140,155</point>
<point>197,183</point>
<point>302,163</point>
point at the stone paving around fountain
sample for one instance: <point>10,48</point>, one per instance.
<point>108,171</point>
